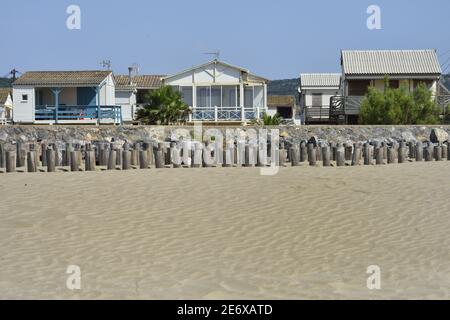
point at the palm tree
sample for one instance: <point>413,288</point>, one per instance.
<point>268,120</point>
<point>163,107</point>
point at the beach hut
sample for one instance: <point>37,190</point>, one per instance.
<point>285,107</point>
<point>362,69</point>
<point>6,105</point>
<point>65,97</point>
<point>131,91</point>
<point>316,89</point>
<point>218,92</point>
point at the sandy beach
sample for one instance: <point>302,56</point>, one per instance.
<point>222,233</point>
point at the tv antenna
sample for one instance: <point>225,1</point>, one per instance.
<point>106,64</point>
<point>135,67</point>
<point>216,54</point>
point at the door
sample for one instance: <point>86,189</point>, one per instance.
<point>86,96</point>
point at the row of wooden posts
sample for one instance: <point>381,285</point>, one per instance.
<point>161,155</point>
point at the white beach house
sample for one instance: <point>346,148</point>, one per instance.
<point>362,69</point>
<point>131,91</point>
<point>316,90</point>
<point>6,105</point>
<point>219,92</point>
<point>65,97</point>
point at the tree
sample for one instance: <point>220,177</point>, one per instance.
<point>163,107</point>
<point>399,106</point>
<point>268,120</point>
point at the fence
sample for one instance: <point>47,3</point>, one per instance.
<point>50,157</point>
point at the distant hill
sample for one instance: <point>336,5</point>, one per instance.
<point>5,82</point>
<point>285,87</point>
<point>446,81</point>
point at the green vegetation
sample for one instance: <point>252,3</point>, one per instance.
<point>267,120</point>
<point>399,106</point>
<point>163,107</point>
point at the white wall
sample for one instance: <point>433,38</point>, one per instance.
<point>108,93</point>
<point>326,95</point>
<point>23,112</point>
<point>127,101</point>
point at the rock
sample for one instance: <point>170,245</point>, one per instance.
<point>438,135</point>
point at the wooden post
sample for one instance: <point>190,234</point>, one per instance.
<point>57,157</point>
<point>10,162</point>
<point>295,155</point>
<point>326,156</point>
<point>391,155</point>
<point>167,155</point>
<point>348,152</point>
<point>367,154</point>
<point>311,154</point>
<point>112,161</point>
<point>126,159</point>
<point>412,150</point>
<point>419,151</point>
<point>74,161</point>
<point>340,155</point>
<point>143,162</point>
<point>303,152</point>
<point>356,157</point>
<point>51,160</point>
<point>2,155</point>
<point>429,152</point>
<point>20,155</point>
<point>31,161</point>
<point>159,159</point>
<point>119,157</point>
<point>379,156</point>
<point>444,152</point>
<point>44,154</point>
<point>438,153</point>
<point>402,152</point>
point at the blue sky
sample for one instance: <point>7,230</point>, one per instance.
<point>275,39</point>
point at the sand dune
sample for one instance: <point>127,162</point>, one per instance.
<point>227,233</point>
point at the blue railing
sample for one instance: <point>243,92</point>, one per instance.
<point>78,113</point>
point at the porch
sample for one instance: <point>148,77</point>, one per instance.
<point>225,114</point>
<point>63,114</point>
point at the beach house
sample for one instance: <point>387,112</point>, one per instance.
<point>218,92</point>
<point>65,97</point>
<point>362,69</point>
<point>316,90</point>
<point>6,106</point>
<point>131,91</point>
<point>285,106</point>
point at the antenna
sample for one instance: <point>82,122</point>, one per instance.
<point>135,68</point>
<point>216,54</point>
<point>106,64</point>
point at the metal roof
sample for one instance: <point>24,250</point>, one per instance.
<point>320,80</point>
<point>278,101</point>
<point>386,62</point>
<point>62,78</point>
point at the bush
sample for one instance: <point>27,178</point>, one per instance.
<point>399,107</point>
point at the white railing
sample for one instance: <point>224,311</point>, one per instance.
<point>4,121</point>
<point>218,114</point>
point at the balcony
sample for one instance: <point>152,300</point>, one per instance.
<point>225,114</point>
<point>78,115</point>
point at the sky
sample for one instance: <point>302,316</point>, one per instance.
<point>274,39</point>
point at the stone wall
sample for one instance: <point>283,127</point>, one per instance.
<point>120,134</point>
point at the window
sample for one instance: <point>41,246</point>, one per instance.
<point>24,98</point>
<point>358,87</point>
<point>248,97</point>
<point>216,96</point>
<point>229,96</point>
<point>186,94</point>
<point>203,97</point>
<point>317,100</point>
<point>394,84</point>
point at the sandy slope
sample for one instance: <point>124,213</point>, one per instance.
<point>227,233</point>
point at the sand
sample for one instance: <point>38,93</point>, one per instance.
<point>223,233</point>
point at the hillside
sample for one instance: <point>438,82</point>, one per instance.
<point>5,82</point>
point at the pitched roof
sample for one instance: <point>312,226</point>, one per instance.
<point>62,78</point>
<point>281,101</point>
<point>4,93</point>
<point>140,82</point>
<point>320,80</point>
<point>395,62</point>
<point>216,61</point>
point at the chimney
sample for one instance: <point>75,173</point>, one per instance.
<point>130,80</point>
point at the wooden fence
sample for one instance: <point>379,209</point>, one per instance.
<point>49,157</point>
